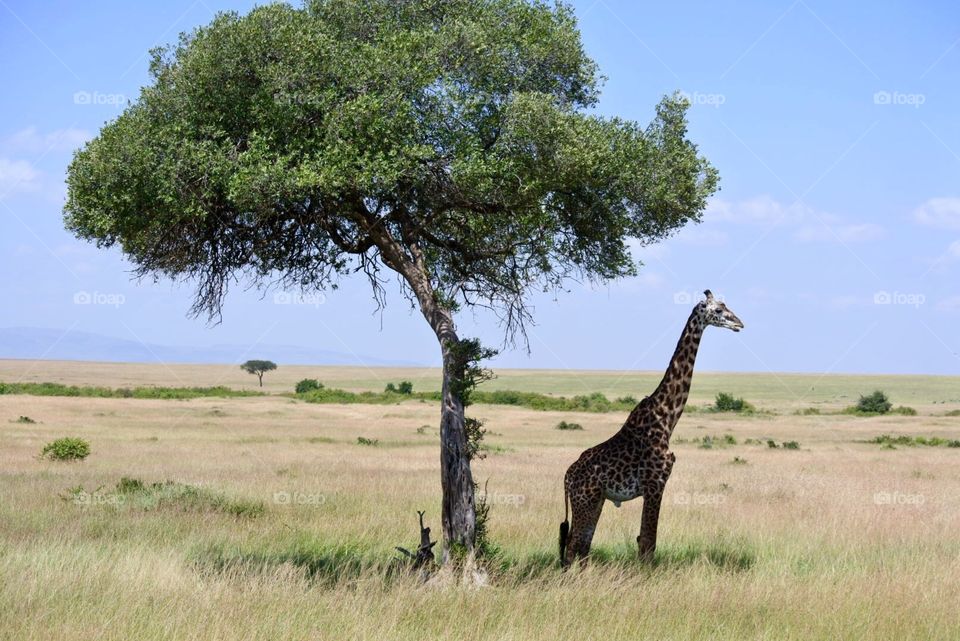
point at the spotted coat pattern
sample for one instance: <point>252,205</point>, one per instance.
<point>636,461</point>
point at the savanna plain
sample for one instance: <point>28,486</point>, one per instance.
<point>269,517</point>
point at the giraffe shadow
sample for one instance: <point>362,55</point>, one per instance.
<point>728,556</point>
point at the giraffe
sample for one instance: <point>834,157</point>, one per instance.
<point>636,461</point>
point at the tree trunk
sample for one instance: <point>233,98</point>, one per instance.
<point>459,510</point>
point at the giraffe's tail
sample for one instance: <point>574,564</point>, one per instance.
<point>565,526</point>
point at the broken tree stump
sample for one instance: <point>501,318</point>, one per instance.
<point>424,555</point>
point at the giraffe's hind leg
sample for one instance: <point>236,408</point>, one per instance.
<point>585,505</point>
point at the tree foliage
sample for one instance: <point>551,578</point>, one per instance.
<point>259,368</point>
<point>295,145</point>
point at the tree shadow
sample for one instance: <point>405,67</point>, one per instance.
<point>336,565</point>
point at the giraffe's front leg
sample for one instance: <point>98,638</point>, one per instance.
<point>647,541</point>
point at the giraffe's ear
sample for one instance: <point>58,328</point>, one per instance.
<point>708,294</point>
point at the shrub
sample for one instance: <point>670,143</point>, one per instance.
<point>26,420</point>
<point>772,444</point>
<point>180,496</point>
<point>904,411</point>
<point>727,403</point>
<point>564,425</point>
<point>738,461</point>
<point>308,385</point>
<point>405,387</point>
<point>808,411</point>
<point>363,440</point>
<point>953,413</point>
<point>875,403</point>
<point>791,445</point>
<point>890,442</point>
<point>66,449</point>
<point>627,400</point>
<point>390,389</point>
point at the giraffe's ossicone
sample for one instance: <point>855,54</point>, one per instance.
<point>637,461</point>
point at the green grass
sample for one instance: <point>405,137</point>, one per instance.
<point>890,442</point>
<point>56,389</point>
<point>900,410</point>
<point>133,493</point>
<point>709,442</point>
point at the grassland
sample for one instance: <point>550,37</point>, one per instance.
<point>277,524</point>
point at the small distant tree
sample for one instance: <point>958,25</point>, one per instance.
<point>259,368</point>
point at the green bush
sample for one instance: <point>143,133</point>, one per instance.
<point>791,445</point>
<point>727,403</point>
<point>904,411</point>
<point>66,449</point>
<point>363,440</point>
<point>890,442</point>
<point>875,403</point>
<point>564,425</point>
<point>308,385</point>
<point>403,387</point>
<point>25,420</point>
<point>627,400</point>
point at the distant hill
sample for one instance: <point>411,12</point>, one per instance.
<point>54,344</point>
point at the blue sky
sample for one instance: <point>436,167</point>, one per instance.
<point>835,236</point>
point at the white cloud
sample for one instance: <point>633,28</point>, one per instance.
<point>703,237</point>
<point>811,226</point>
<point>33,141</point>
<point>943,213</point>
<point>760,210</point>
<point>832,232</point>
<point>17,176</point>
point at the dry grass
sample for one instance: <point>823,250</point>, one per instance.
<point>838,540</point>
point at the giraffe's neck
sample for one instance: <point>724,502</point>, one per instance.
<point>670,397</point>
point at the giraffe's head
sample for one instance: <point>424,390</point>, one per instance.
<point>714,312</point>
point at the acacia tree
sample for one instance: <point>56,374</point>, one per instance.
<point>259,368</point>
<point>452,142</point>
